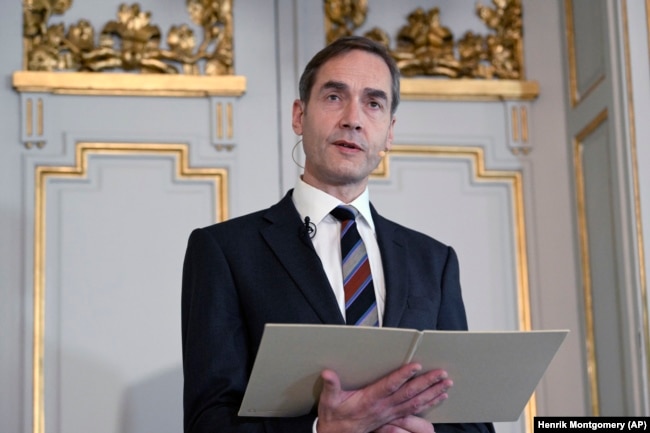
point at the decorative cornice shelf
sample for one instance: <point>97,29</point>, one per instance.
<point>90,83</point>
<point>431,89</point>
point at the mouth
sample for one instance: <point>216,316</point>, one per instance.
<point>347,145</point>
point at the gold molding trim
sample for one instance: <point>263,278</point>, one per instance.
<point>590,343</point>
<point>83,150</point>
<point>34,122</point>
<point>468,89</point>
<point>514,179</point>
<point>29,117</point>
<point>514,121</point>
<point>640,249</point>
<point>524,124</point>
<point>571,51</point>
<point>574,93</point>
<point>647,12</point>
<point>90,83</point>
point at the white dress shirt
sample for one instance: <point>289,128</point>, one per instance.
<point>316,204</point>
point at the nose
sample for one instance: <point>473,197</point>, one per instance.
<point>351,117</point>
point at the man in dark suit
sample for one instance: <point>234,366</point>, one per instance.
<point>283,265</point>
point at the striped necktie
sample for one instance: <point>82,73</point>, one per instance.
<point>360,302</point>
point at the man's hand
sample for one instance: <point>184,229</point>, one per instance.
<point>394,398</point>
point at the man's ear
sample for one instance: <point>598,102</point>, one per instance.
<point>389,137</point>
<point>296,116</point>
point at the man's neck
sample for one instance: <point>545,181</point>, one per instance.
<point>347,193</point>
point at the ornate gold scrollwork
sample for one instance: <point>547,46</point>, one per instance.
<point>424,46</point>
<point>131,42</point>
<point>343,17</point>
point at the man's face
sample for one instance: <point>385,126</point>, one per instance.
<point>347,121</point>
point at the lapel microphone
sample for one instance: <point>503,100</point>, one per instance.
<point>310,228</point>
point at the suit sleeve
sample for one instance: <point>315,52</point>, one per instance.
<point>217,355</point>
<point>452,316</point>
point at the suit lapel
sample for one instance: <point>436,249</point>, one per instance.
<point>393,258</point>
<point>289,241</point>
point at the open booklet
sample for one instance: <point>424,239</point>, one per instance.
<point>494,373</point>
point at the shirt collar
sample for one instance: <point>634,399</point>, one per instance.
<point>317,204</point>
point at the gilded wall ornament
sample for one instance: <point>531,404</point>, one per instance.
<point>131,42</point>
<point>425,47</point>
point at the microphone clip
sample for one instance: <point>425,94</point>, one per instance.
<point>310,228</point>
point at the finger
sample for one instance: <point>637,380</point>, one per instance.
<point>392,383</point>
<point>331,387</point>
<point>390,429</point>
<point>434,380</point>
<point>412,424</point>
<point>422,393</point>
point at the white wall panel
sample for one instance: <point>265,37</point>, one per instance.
<point>442,198</point>
<point>458,124</point>
<point>553,273</point>
<point>115,240</point>
<point>440,191</point>
<point>601,127</point>
<point>588,19</point>
<point>638,18</point>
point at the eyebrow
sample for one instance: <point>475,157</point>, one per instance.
<point>368,91</point>
<point>336,85</point>
<point>376,93</point>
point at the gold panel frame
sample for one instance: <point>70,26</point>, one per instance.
<point>574,93</point>
<point>83,151</point>
<point>647,13</point>
<point>514,180</point>
<point>635,179</point>
<point>590,343</point>
<point>638,221</point>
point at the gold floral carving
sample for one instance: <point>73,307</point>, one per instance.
<point>131,42</point>
<point>425,47</point>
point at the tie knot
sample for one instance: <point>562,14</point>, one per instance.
<point>344,213</point>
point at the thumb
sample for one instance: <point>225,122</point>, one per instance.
<point>331,386</point>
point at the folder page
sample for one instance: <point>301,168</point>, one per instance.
<point>494,373</point>
<point>285,380</point>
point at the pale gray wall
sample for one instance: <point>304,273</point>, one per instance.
<point>12,223</point>
<point>552,258</point>
<point>264,170</point>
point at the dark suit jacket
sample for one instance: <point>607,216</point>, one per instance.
<point>262,268</point>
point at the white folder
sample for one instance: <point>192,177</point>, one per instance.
<point>494,373</point>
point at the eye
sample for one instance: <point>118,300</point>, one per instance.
<point>333,97</point>
<point>375,104</point>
